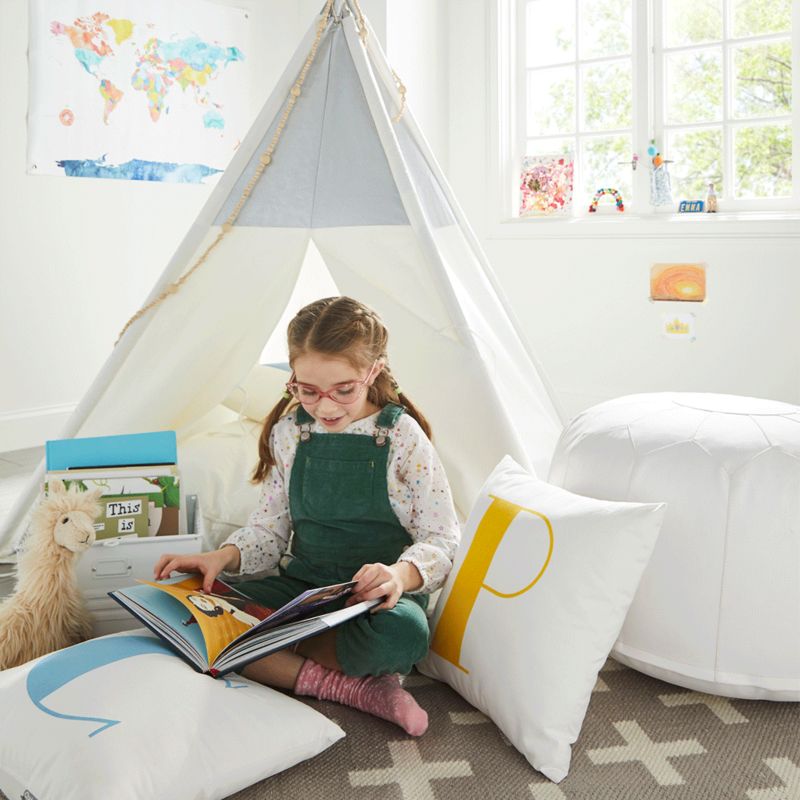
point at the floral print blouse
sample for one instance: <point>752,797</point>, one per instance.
<point>419,495</point>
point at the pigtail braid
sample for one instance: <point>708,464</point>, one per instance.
<point>265,458</point>
<point>386,389</point>
<point>416,414</point>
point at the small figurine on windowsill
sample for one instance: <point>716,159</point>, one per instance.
<point>660,185</point>
<point>711,200</point>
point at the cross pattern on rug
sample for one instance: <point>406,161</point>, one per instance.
<point>721,707</point>
<point>653,755</point>
<point>468,718</point>
<point>476,718</point>
<point>788,772</point>
<point>410,772</point>
<point>546,791</point>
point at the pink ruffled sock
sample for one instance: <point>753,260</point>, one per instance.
<point>381,696</point>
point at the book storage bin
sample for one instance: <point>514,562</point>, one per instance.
<point>141,468</point>
<point>116,563</point>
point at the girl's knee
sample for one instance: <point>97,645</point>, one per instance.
<point>385,642</point>
<point>407,623</point>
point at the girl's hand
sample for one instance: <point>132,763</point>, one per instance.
<point>380,580</point>
<point>209,565</point>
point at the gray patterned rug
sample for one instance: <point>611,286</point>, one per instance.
<point>642,740</point>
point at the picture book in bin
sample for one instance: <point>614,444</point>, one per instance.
<point>137,474</point>
<point>223,630</point>
<point>140,501</point>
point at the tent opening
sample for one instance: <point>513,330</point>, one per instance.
<point>313,282</point>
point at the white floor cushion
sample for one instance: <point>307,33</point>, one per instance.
<point>121,717</point>
<point>718,609</point>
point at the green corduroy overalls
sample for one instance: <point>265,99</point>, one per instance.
<point>342,519</point>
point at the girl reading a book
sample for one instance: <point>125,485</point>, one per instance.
<point>346,468</point>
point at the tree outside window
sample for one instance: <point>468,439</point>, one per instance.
<point>718,99</point>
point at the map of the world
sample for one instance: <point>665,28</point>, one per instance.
<point>133,95</point>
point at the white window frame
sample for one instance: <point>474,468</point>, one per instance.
<point>507,135</point>
<point>518,146</point>
<point>728,123</point>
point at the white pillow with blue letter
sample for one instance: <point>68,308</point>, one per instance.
<point>539,590</point>
<point>123,717</point>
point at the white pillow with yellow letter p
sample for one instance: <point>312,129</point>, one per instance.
<point>538,593</point>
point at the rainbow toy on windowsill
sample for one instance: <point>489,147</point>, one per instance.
<point>600,192</point>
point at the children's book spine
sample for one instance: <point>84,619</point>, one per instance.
<point>157,447</point>
<point>197,666</point>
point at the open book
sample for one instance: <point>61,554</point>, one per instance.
<point>223,630</point>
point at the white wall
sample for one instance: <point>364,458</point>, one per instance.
<point>582,298</point>
<point>417,47</point>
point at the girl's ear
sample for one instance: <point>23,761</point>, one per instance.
<point>376,370</point>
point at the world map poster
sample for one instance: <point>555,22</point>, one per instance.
<point>138,90</point>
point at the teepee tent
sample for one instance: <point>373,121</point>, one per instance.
<point>334,157</point>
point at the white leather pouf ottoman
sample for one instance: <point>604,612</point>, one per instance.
<point>718,607</point>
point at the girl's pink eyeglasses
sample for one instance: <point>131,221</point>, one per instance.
<point>343,393</point>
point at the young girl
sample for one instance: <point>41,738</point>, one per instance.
<point>347,466</point>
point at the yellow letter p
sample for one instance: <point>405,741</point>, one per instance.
<point>452,624</point>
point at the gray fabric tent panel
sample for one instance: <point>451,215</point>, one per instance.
<point>283,197</point>
<point>434,204</point>
<point>355,184</point>
<point>329,168</point>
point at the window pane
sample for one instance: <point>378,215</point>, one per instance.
<point>697,161</point>
<point>550,32</point>
<point>605,28</point>
<point>692,22</point>
<point>763,79</point>
<point>550,146</point>
<point>551,101</point>
<point>694,86</point>
<point>763,161</point>
<point>607,90</point>
<point>753,17</point>
<point>599,157</point>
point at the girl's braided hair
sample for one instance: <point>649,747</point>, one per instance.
<point>343,328</point>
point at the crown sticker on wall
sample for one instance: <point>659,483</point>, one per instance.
<point>679,326</point>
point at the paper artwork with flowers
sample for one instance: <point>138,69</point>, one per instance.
<point>545,185</point>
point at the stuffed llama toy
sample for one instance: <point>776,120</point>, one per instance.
<point>46,611</point>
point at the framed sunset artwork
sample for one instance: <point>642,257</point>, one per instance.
<point>682,282</point>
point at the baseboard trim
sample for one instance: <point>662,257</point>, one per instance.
<point>31,427</point>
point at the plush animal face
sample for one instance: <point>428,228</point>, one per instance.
<point>75,531</point>
<point>74,515</point>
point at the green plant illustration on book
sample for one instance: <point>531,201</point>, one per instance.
<point>168,492</point>
<point>162,494</point>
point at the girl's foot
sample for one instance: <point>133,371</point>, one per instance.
<point>381,696</point>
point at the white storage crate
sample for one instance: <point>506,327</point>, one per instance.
<point>117,563</point>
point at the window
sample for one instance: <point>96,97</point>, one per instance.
<point>708,81</point>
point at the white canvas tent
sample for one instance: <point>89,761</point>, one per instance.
<point>352,173</point>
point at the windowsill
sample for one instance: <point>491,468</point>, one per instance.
<point>630,225</point>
